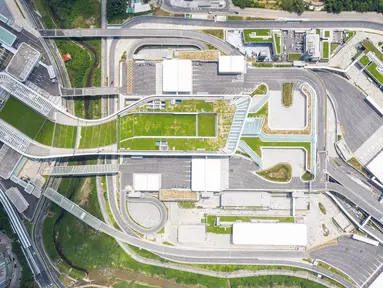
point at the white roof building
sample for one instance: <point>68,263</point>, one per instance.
<point>177,76</point>
<point>312,45</point>
<point>270,234</point>
<point>376,166</point>
<point>378,283</point>
<point>232,64</point>
<point>209,174</point>
<point>146,182</point>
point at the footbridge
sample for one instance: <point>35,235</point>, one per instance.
<point>89,91</point>
<point>81,170</point>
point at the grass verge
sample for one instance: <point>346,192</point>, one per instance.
<point>278,173</point>
<point>261,90</point>
<point>214,32</point>
<point>294,56</point>
<point>325,50</point>
<point>287,94</point>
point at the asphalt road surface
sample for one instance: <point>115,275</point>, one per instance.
<point>358,259</point>
<point>358,119</point>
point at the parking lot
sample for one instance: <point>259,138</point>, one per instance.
<point>175,172</point>
<point>293,42</point>
<point>40,77</point>
<point>144,79</point>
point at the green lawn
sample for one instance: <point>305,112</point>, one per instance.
<point>325,50</point>
<point>261,90</point>
<point>256,144</point>
<point>164,125</point>
<point>214,32</point>
<point>307,176</point>
<point>377,75</point>
<point>364,60</point>
<point>206,125</point>
<point>326,33</point>
<point>23,118</point>
<point>294,56</point>
<point>186,204</point>
<point>334,46</point>
<point>249,218</point>
<point>287,94</point>
<point>98,135</point>
<point>177,143</point>
<point>371,47</point>
<point>278,173</point>
<point>65,136</point>
<point>263,112</point>
<point>36,126</point>
<point>349,35</point>
<point>277,40</point>
<point>257,32</point>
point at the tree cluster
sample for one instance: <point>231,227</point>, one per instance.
<point>297,6</point>
<point>116,7</point>
<point>337,6</point>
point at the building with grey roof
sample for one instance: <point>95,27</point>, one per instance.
<point>23,62</point>
<point>17,199</point>
<point>312,45</point>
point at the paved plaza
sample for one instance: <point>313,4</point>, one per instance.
<point>293,156</point>
<point>145,214</point>
<point>287,118</point>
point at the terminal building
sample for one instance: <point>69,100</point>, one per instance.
<point>312,45</point>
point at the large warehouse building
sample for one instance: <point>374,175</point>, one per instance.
<point>376,167</point>
<point>270,234</point>
<point>177,76</point>
<point>210,174</point>
<point>232,65</point>
<point>146,182</point>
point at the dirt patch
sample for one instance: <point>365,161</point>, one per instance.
<point>84,193</point>
<point>111,276</point>
<point>198,55</point>
<point>175,195</point>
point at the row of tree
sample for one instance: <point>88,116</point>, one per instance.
<point>337,6</point>
<point>115,8</point>
<point>333,6</point>
<point>296,6</point>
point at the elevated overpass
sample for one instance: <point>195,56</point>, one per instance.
<point>360,196</point>
<point>81,170</point>
<point>89,91</point>
<point>140,33</point>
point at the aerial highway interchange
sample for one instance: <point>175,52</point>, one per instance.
<point>256,142</point>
